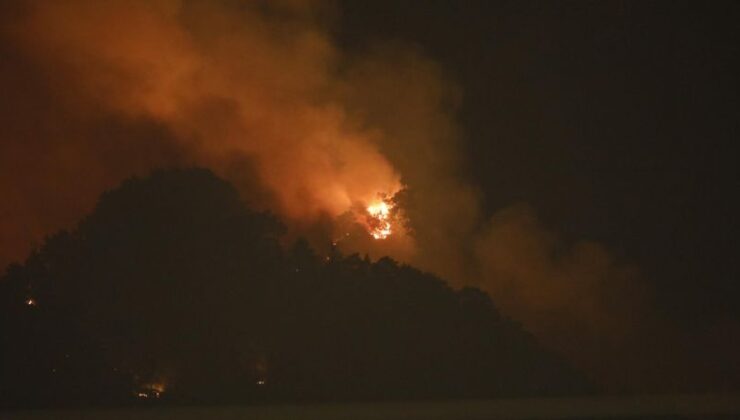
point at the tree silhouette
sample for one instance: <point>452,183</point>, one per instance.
<point>173,289</point>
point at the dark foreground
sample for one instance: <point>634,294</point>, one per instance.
<point>678,406</point>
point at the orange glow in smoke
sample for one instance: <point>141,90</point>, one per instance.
<point>378,219</point>
<point>151,390</point>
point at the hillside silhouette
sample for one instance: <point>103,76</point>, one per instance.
<point>172,290</point>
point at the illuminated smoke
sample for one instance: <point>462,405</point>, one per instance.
<point>95,92</point>
<point>250,90</point>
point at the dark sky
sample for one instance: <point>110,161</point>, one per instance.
<point>616,120</point>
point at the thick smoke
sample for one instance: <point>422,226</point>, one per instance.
<point>255,81</point>
<point>98,91</point>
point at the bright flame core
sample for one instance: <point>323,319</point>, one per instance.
<point>378,219</point>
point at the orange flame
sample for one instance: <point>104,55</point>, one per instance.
<point>378,219</point>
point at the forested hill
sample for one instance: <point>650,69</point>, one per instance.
<point>173,291</point>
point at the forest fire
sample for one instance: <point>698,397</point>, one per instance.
<point>378,219</point>
<point>151,390</point>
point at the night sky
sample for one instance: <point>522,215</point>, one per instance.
<point>617,121</point>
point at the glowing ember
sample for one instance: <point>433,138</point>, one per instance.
<point>378,219</point>
<point>152,390</point>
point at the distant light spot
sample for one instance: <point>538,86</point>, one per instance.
<point>151,390</point>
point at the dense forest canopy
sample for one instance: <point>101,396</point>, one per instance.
<point>173,290</point>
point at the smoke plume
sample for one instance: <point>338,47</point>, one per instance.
<point>98,91</point>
